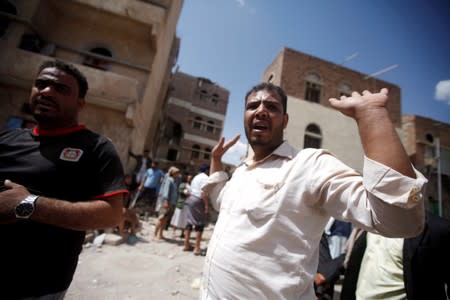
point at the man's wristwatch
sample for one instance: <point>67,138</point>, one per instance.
<point>25,208</point>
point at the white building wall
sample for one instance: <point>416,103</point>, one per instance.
<point>339,133</point>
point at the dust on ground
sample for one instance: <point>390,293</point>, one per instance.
<point>144,270</point>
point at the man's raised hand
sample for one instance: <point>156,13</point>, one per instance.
<point>359,105</point>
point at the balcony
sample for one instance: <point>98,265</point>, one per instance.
<point>146,12</point>
<point>106,89</point>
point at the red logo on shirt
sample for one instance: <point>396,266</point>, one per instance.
<point>71,154</point>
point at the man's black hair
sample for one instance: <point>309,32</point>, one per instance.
<point>71,70</point>
<point>272,88</point>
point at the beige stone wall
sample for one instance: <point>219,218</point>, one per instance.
<point>60,22</point>
<point>339,134</point>
<point>110,123</point>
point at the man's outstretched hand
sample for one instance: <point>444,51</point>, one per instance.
<point>361,105</point>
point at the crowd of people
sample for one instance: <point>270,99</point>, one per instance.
<point>271,239</point>
<point>174,198</point>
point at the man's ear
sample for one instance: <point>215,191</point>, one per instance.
<point>285,120</point>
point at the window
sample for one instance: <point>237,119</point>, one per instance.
<point>215,99</point>
<point>270,79</point>
<point>429,155</point>
<point>195,152</point>
<point>173,132</point>
<point>197,123</point>
<point>203,95</point>
<point>210,126</point>
<point>31,42</point>
<point>313,87</point>
<point>96,61</point>
<point>345,90</point>
<point>6,7</point>
<point>313,137</point>
<point>207,153</point>
<point>172,154</point>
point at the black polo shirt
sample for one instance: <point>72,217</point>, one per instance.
<point>73,164</point>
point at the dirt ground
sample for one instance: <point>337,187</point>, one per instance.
<point>144,270</point>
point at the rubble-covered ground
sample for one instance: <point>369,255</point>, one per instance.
<point>110,269</point>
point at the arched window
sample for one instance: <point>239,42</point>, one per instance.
<point>207,153</point>
<point>203,95</point>
<point>215,99</point>
<point>210,126</point>
<point>197,123</point>
<point>345,90</point>
<point>313,137</point>
<point>195,152</point>
<point>313,87</point>
<point>95,61</point>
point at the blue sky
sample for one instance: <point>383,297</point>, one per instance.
<point>231,42</point>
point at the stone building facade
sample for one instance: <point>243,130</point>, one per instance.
<point>310,81</point>
<point>125,48</point>
<point>427,143</point>
<point>192,121</point>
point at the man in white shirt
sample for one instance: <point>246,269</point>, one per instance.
<point>197,208</point>
<point>275,207</point>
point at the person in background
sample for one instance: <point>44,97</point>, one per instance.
<point>58,179</point>
<point>337,234</point>
<point>328,271</point>
<point>178,220</point>
<point>396,268</point>
<point>168,195</point>
<point>143,163</point>
<point>197,207</point>
<point>273,210</point>
<point>149,187</point>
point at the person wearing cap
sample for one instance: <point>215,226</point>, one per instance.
<point>197,205</point>
<point>168,196</point>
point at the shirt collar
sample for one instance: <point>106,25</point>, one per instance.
<point>284,150</point>
<point>55,132</point>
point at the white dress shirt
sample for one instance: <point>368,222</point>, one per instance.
<point>273,212</point>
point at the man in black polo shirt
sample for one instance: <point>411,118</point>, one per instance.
<point>59,180</point>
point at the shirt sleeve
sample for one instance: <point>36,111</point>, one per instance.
<point>392,186</point>
<point>382,200</point>
<point>397,200</point>
<point>214,186</point>
<point>109,172</point>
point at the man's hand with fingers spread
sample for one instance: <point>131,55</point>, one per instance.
<point>361,105</point>
<point>219,150</point>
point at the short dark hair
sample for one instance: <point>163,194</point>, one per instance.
<point>71,70</point>
<point>272,88</point>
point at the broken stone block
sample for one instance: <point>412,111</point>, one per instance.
<point>112,239</point>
